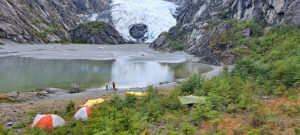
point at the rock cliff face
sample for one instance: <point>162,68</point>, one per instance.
<point>200,21</point>
<point>37,21</point>
<point>42,21</point>
<point>92,6</point>
<point>96,33</point>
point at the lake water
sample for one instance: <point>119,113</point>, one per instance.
<point>26,74</point>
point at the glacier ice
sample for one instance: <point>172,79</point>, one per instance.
<point>158,15</point>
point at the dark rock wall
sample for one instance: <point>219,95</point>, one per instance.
<point>92,6</point>
<point>97,33</point>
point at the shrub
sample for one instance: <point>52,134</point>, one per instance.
<point>297,131</point>
<point>194,83</point>
<point>203,112</point>
<point>70,107</point>
<point>177,45</point>
<point>188,129</point>
<point>3,130</point>
<point>257,118</point>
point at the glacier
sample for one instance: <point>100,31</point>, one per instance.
<point>158,15</point>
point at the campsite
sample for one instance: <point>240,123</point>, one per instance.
<point>149,67</point>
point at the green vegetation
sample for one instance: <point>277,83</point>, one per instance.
<point>40,34</point>
<point>176,38</point>
<point>234,37</point>
<point>96,26</point>
<point>235,102</point>
<point>57,26</point>
<point>52,29</point>
<point>79,40</point>
<point>2,35</point>
<point>177,44</point>
<point>225,15</point>
<point>3,130</point>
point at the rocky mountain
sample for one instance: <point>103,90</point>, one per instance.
<point>96,33</point>
<point>42,21</point>
<point>92,6</point>
<point>202,22</point>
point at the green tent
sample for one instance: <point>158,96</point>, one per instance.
<point>191,99</point>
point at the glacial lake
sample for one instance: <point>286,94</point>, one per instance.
<point>27,74</point>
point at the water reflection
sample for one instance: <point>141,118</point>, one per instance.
<point>26,74</point>
<point>137,74</point>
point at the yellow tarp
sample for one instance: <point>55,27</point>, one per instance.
<point>93,102</point>
<point>138,94</point>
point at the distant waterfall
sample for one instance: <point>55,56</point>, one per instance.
<point>156,14</point>
<point>128,74</point>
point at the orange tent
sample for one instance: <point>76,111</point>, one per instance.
<point>47,122</point>
<point>83,113</point>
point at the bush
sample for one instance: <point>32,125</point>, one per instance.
<point>257,118</point>
<point>297,131</point>
<point>203,112</point>
<point>70,107</point>
<point>194,83</point>
<point>3,130</point>
<point>188,129</point>
<point>177,45</point>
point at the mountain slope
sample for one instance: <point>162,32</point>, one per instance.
<point>41,21</point>
<point>202,21</point>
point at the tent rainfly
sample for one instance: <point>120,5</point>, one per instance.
<point>137,93</point>
<point>191,100</point>
<point>93,102</point>
<point>47,122</point>
<point>83,113</point>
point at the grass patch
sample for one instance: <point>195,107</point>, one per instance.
<point>96,26</point>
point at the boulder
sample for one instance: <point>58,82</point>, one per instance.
<point>246,33</point>
<point>12,96</point>
<point>96,33</point>
<point>139,31</point>
<point>161,42</point>
<point>47,90</point>
<point>74,88</point>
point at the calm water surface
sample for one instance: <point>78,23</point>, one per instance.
<point>26,74</point>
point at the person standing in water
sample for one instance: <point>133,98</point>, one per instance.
<point>106,85</point>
